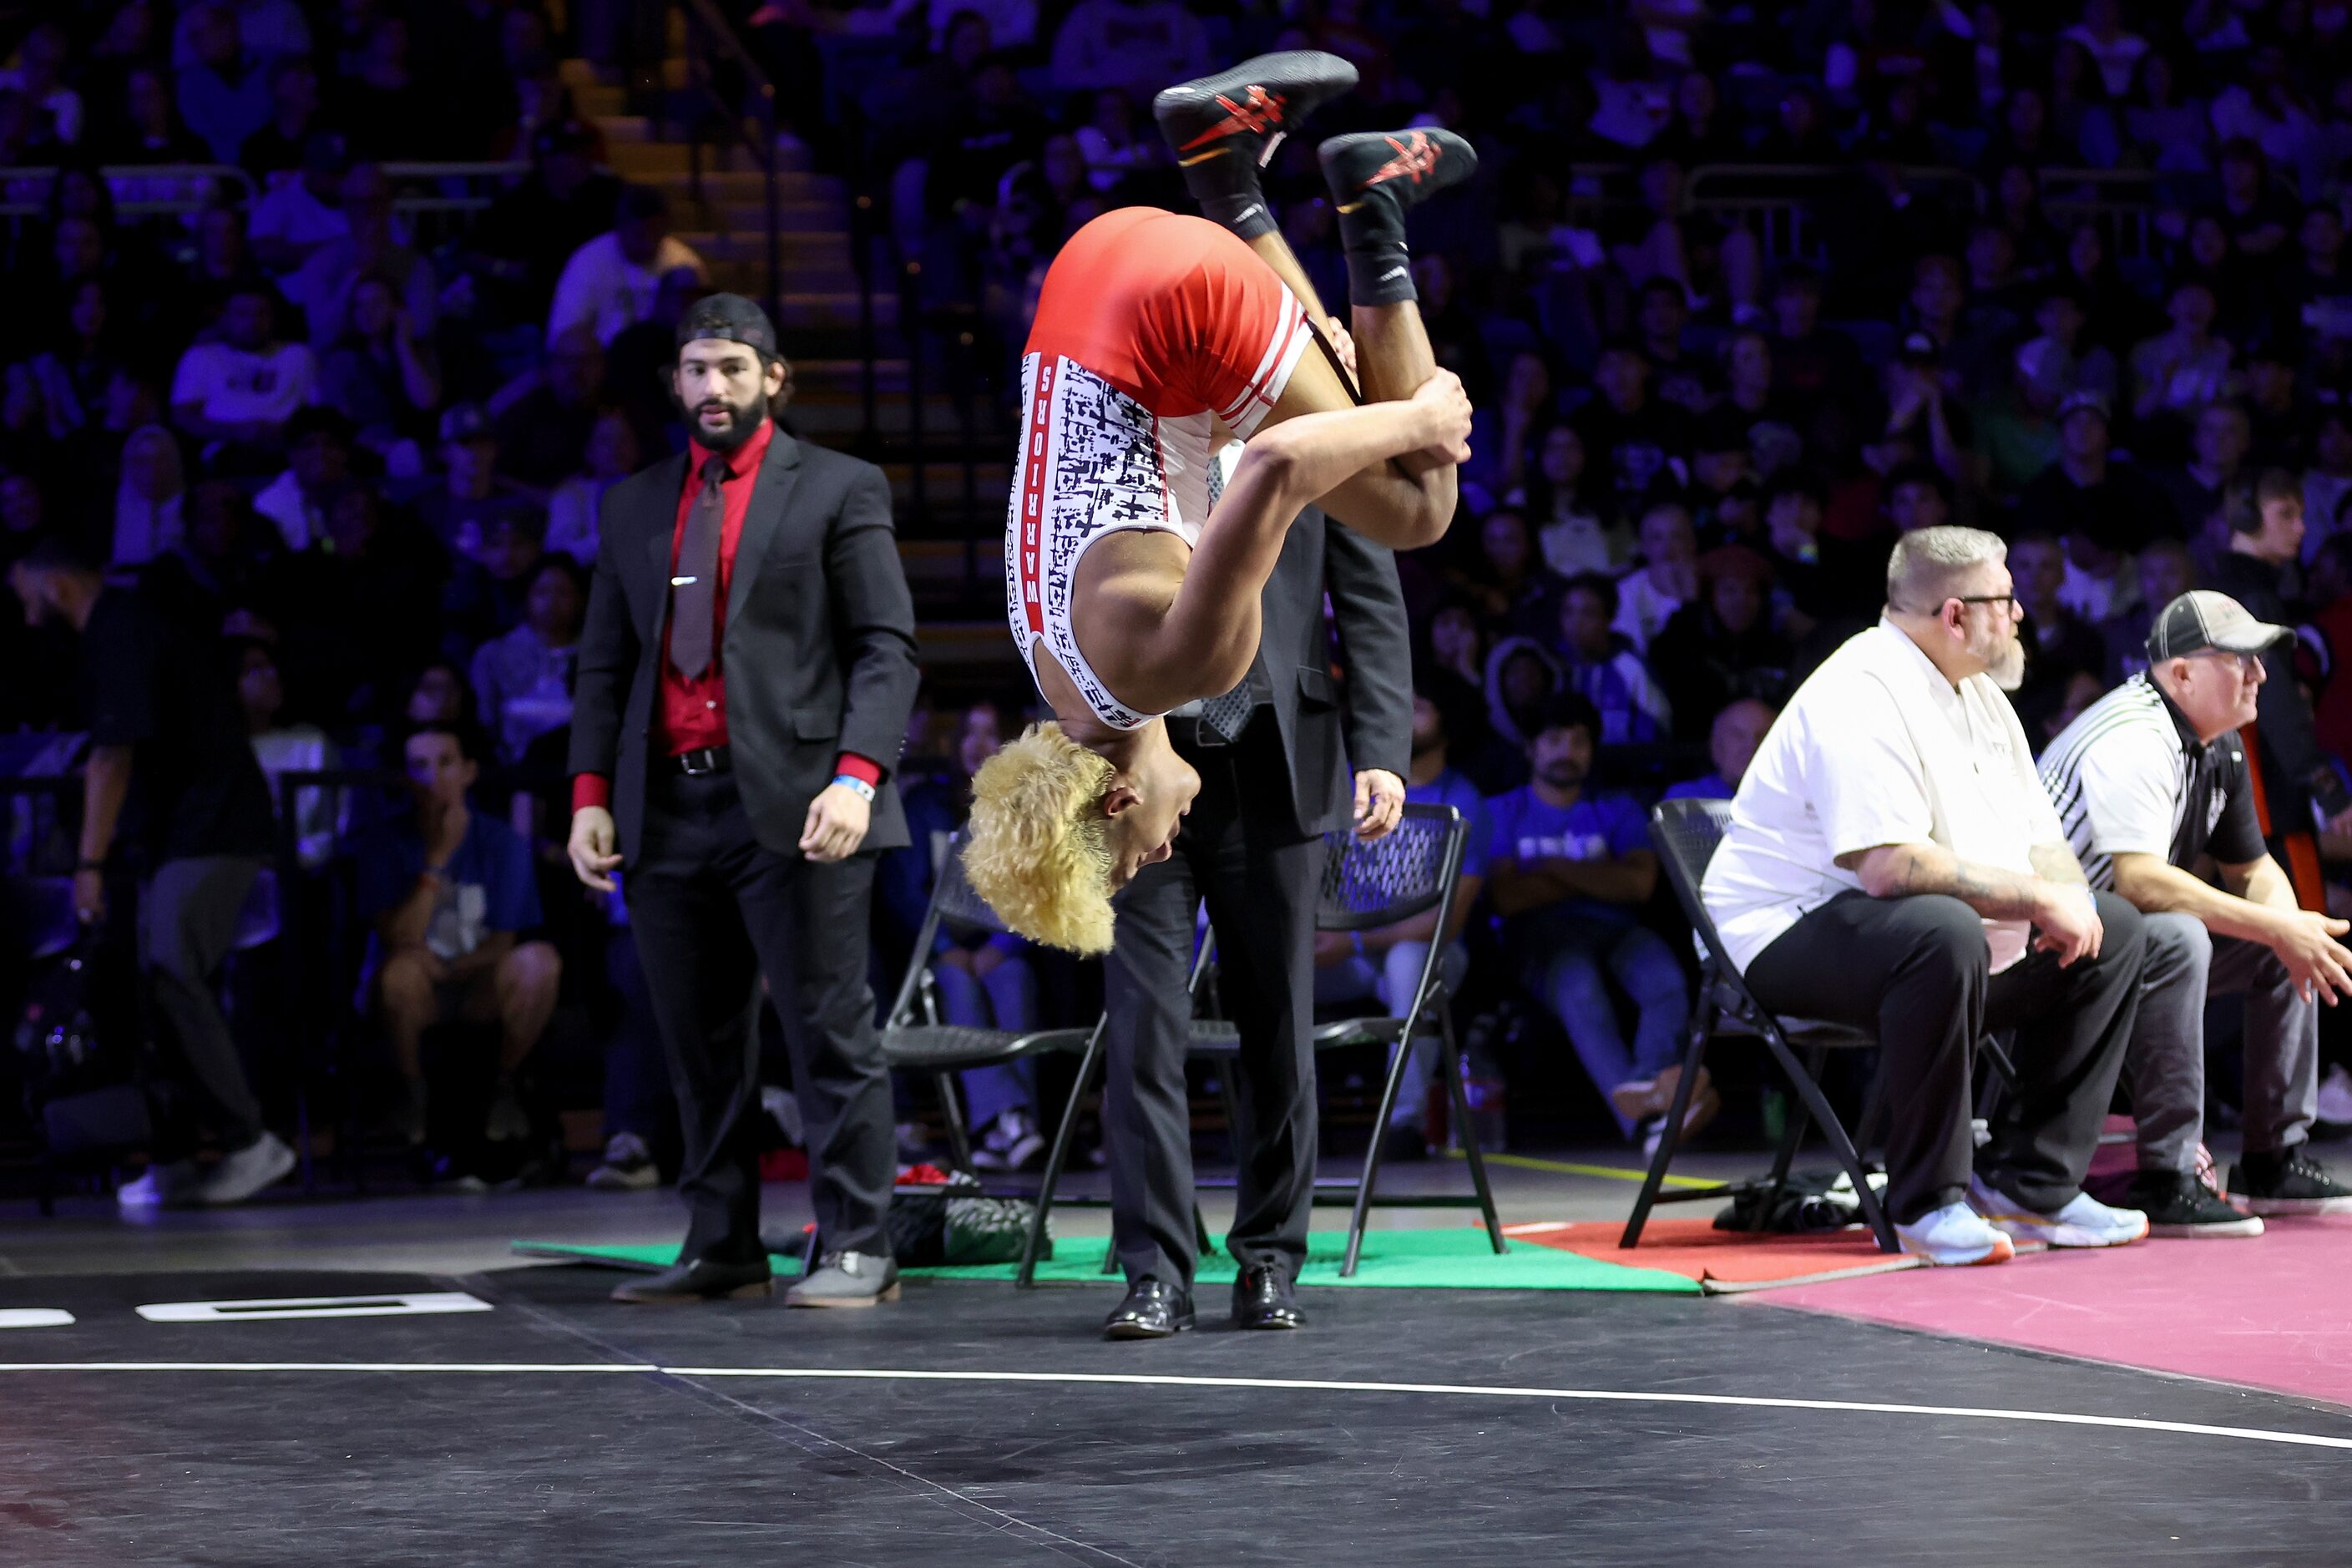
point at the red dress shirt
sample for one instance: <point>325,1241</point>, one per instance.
<point>692,712</point>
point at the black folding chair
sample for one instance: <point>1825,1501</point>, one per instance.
<point>1687,833</point>
<point>1365,886</point>
<point>916,1039</point>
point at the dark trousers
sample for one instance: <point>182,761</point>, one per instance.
<point>713,911</point>
<point>1915,973</point>
<point>1260,880</point>
<point>187,923</point>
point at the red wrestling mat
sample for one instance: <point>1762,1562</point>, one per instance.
<point>1721,1262</point>
<point>2267,1312</point>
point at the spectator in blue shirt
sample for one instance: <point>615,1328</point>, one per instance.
<point>1385,965</point>
<point>1602,666</point>
<point>1568,872</point>
<point>450,893</point>
<point>1731,741</point>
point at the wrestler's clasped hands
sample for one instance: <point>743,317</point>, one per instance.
<point>1380,804</point>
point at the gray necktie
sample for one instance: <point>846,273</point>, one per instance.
<point>694,586</point>
<point>1222,719</point>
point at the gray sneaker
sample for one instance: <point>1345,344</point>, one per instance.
<point>848,1279</point>
<point>628,1165</point>
<point>171,1186</point>
<point>238,1176</point>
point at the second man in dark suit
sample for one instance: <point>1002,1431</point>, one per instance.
<point>1274,759</point>
<point>745,677</point>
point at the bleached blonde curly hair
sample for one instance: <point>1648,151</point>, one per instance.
<point>1038,845</point>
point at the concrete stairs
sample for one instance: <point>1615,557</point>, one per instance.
<point>952,541</point>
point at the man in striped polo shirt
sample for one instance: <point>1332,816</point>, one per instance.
<point>2149,781</point>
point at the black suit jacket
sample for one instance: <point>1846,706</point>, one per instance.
<point>1322,738</point>
<point>817,649</point>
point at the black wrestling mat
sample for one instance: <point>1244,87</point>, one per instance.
<point>517,1417</point>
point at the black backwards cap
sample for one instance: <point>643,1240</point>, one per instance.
<point>732,318</point>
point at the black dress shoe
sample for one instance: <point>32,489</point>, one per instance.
<point>702,1281</point>
<point>1153,1310</point>
<point>1263,1298</point>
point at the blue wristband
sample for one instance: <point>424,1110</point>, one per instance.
<point>864,791</point>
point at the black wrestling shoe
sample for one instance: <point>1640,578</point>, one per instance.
<point>1374,176</point>
<point>1225,127</point>
<point>702,1281</point>
<point>1153,1310</point>
<point>1263,1298</point>
<point>1244,113</point>
<point>1405,167</point>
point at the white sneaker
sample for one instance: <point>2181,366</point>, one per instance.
<point>2335,1095</point>
<point>628,1165</point>
<point>1954,1236</point>
<point>238,1176</point>
<point>2084,1222</point>
<point>169,1186</point>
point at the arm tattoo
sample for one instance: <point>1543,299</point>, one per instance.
<point>1991,891</point>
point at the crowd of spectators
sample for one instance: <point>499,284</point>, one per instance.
<point>1743,293</point>
<point>2075,274</point>
<point>347,455</point>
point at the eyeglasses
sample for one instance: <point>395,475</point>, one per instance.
<point>2247,663</point>
<point>2006,601</point>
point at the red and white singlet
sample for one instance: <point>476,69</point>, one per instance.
<point>1151,328</point>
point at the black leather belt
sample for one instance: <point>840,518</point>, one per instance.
<point>702,762</point>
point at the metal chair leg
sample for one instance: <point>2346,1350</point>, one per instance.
<point>1873,1213</point>
<point>1998,1059</point>
<point>1033,1244</point>
<point>1362,1214</point>
<point>1459,1099</point>
<point>1793,1139</point>
<point>951,1112</point>
<point>1670,1136</point>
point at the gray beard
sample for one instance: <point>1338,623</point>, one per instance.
<point>2008,667</point>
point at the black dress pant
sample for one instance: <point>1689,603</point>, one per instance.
<point>1260,880</point>
<point>1915,973</point>
<point>713,911</point>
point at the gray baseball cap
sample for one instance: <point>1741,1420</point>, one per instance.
<point>2202,619</point>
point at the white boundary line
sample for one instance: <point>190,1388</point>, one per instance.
<point>1140,1380</point>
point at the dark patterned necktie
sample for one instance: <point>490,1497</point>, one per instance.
<point>1222,719</point>
<point>694,586</point>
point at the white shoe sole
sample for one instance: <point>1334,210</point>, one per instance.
<point>887,1293</point>
<point>2217,1230</point>
<point>2050,1233</point>
<point>2000,1251</point>
<point>281,1161</point>
<point>2290,1206</point>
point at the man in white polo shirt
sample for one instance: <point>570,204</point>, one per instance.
<point>1892,865</point>
<point>2149,781</point>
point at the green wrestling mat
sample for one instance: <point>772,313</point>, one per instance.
<point>1392,1260</point>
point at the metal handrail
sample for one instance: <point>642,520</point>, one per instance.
<point>29,178</point>
<point>708,28</point>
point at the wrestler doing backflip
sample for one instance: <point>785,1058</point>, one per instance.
<point>1160,338</point>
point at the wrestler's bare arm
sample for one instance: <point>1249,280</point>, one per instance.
<point>1209,633</point>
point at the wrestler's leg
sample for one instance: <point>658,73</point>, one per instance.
<point>1223,129</point>
<point>1382,502</point>
<point>1210,629</point>
<point>1375,180</point>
